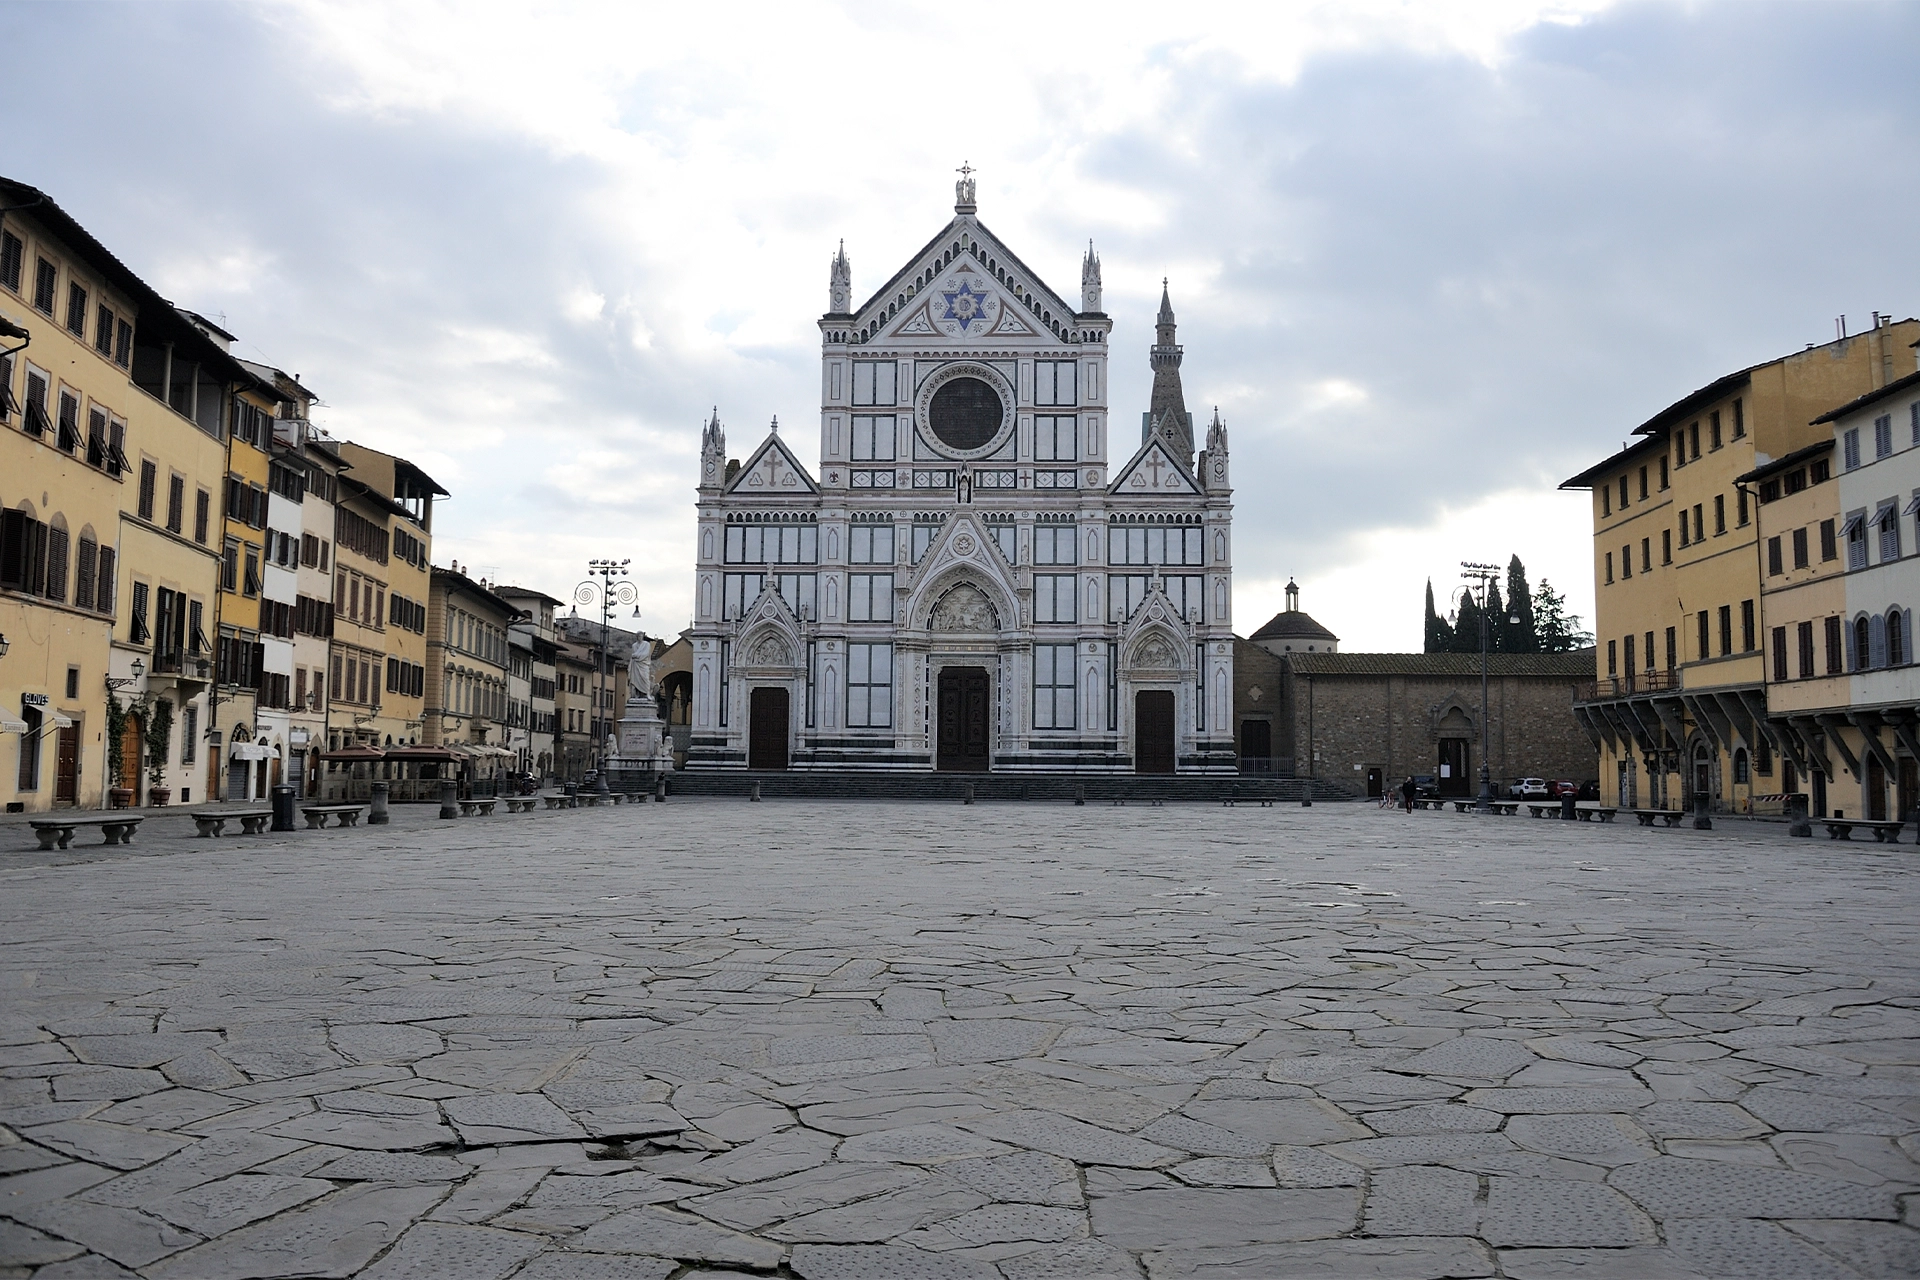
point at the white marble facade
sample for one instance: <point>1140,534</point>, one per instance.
<point>970,582</point>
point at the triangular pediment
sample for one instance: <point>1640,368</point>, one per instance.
<point>963,552</point>
<point>772,470</point>
<point>965,284</point>
<point>1155,469</point>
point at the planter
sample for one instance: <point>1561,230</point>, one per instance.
<point>120,797</point>
<point>158,796</point>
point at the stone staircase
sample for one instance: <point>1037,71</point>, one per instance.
<point>1050,787</point>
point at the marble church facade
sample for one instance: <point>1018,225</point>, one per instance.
<point>978,578</point>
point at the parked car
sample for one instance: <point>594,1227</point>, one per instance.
<point>1529,789</point>
<point>1426,787</point>
<point>1589,790</point>
<point>1564,789</point>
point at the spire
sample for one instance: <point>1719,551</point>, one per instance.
<point>1168,408</point>
<point>1090,281</point>
<point>1293,596</point>
<point>840,283</point>
<point>713,452</point>
<point>963,192</point>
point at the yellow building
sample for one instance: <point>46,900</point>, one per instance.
<point>112,427</point>
<point>1679,704</point>
<point>467,689</point>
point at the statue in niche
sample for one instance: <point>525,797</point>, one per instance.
<point>965,608</point>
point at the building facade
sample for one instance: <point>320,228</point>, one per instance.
<point>468,661</point>
<point>968,584</point>
<point>1678,708</point>
<point>533,723</point>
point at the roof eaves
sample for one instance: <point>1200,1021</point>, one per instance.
<point>1766,469</point>
<point>1584,480</point>
<point>1694,402</point>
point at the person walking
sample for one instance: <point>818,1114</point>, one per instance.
<point>1406,794</point>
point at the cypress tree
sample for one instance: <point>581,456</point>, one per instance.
<point>1496,620</point>
<point>1439,636</point>
<point>1466,625</point>
<point>1523,637</point>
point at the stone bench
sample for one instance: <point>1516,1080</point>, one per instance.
<point>252,821</point>
<point>1544,810</point>
<point>1671,817</point>
<point>1597,812</point>
<point>520,804</point>
<point>558,802</point>
<point>57,833</point>
<point>1507,808</point>
<point>1842,829</point>
<point>345,815</point>
<point>482,807</point>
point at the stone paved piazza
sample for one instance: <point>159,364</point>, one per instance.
<point>845,1041</point>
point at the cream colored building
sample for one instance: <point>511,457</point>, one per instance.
<point>1679,703</point>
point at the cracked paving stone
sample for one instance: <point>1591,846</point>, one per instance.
<point>393,1166</point>
<point>22,1246</point>
<point>1543,1211</point>
<point>1081,1260</point>
<point>1402,1258</point>
<point>1422,1200</point>
<point>665,1233</point>
<point>1592,1138</point>
<point>336,1236</point>
<point>883,1262</point>
<point>918,1144</point>
<point>1673,1188</point>
<point>1073,1139</point>
<point>1471,1057</point>
<point>1003,1224</point>
<point>1637,1263</point>
<point>596,1266</point>
<point>826,1187</point>
<point>215,1208</point>
<point>1422,1120</point>
<point>1029,1177</point>
<point>1192,1217</point>
<point>484,1119</point>
<point>1220,1171</point>
<point>1276,1121</point>
<point>885,1217</point>
<point>1751,1250</point>
<point>435,1249</point>
<point>127,1236</point>
<point>115,1145</point>
<point>1876,1249</point>
<point>367,1133</point>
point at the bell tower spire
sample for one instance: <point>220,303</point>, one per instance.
<point>1090,282</point>
<point>1167,410</point>
<point>840,283</point>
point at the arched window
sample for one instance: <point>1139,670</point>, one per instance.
<point>1862,644</point>
<point>1896,638</point>
<point>1740,774</point>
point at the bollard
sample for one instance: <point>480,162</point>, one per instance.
<point>1306,798</point>
<point>1568,813</point>
<point>1080,795</point>
<point>1701,822</point>
<point>449,799</point>
<point>660,791</point>
<point>283,806</point>
<point>1798,823</point>
<point>753,789</point>
<point>969,793</point>
<point>376,808</point>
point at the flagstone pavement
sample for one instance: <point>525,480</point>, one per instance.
<point>868,1041</point>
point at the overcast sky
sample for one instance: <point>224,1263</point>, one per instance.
<point>1427,261</point>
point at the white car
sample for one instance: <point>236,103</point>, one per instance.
<point>1530,789</point>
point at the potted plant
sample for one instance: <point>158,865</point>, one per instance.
<point>159,737</point>
<point>117,796</point>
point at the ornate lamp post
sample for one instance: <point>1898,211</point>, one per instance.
<point>610,589</point>
<point>1484,575</point>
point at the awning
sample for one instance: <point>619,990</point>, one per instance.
<point>1913,508</point>
<point>1853,522</point>
<point>251,751</point>
<point>354,753</point>
<point>59,721</point>
<point>419,755</point>
<point>10,723</point>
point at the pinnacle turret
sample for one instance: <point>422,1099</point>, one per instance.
<point>840,283</point>
<point>1090,281</point>
<point>1168,407</point>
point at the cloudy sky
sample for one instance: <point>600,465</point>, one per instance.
<point>1428,260</point>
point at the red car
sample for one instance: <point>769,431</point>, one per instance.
<point>1564,789</point>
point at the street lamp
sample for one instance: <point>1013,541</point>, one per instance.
<point>1485,575</point>
<point>139,669</point>
<point>609,591</point>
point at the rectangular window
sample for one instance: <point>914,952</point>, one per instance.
<point>189,734</point>
<point>13,254</point>
<point>1889,533</point>
<point>1857,541</point>
<point>1683,527</point>
<point>176,503</point>
<point>123,344</point>
<point>45,279</point>
<point>1699,524</point>
<point>96,438</point>
<point>1836,648</point>
<point>69,438</point>
<point>923,535</point>
<point>56,588</point>
<point>1646,555</point>
<point>1693,439</point>
<point>1673,648</point>
<point>1054,382</point>
<point>1883,435</point>
<point>1739,419</point>
<point>1805,635</point>
<point>86,570</point>
<point>1666,546</point>
<point>739,593</point>
<point>1609,566</point>
<point>1741,508</point>
<point>873,438</point>
<point>1606,499</point>
<point>1056,438</point>
<point>1780,650</point>
<point>1643,484</point>
<point>117,464</point>
<point>873,382</point>
<point>1799,548</point>
<point>869,597</point>
<point>1850,449</point>
<point>103,331</point>
<point>1006,538</point>
<point>1623,493</point>
<point>1713,430</point>
<point>230,567</point>
<point>1664,482</point>
<point>1053,686</point>
<point>1747,627</point>
<point>137,619</point>
<point>104,583</point>
<point>1774,565</point>
<point>1649,650</point>
<point>1055,598</point>
<point>1719,513</point>
<point>1055,544</point>
<point>1702,625</point>
<point>1613,659</point>
<point>76,310</point>
<point>149,482</point>
<point>1829,548</point>
<point>1626,561</point>
<point>869,684</point>
<point>1726,630</point>
<point>250,585</point>
<point>1630,645</point>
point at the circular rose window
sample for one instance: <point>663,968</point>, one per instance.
<point>965,413</point>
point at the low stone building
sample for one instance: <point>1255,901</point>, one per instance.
<point>1368,720</point>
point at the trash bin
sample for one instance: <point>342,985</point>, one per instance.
<point>377,805</point>
<point>449,799</point>
<point>1568,813</point>
<point>1701,822</point>
<point>1797,821</point>
<point>283,795</point>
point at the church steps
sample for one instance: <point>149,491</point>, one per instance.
<point>1100,788</point>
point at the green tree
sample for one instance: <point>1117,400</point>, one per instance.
<point>1496,620</point>
<point>1466,625</point>
<point>1439,636</point>
<point>1559,631</point>
<point>1523,636</point>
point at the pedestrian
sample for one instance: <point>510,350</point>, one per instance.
<point>1406,794</point>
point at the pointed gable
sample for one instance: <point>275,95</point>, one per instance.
<point>1154,470</point>
<point>773,470</point>
<point>965,283</point>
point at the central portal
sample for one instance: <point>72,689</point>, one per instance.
<point>768,715</point>
<point>1153,746</point>
<point>965,703</point>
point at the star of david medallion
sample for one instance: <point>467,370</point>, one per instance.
<point>963,307</point>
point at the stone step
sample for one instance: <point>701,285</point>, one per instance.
<point>1101,788</point>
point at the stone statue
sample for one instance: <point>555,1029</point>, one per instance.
<point>640,670</point>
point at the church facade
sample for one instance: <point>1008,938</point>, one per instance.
<point>971,582</point>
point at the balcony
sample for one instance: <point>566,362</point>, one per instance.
<point>1628,686</point>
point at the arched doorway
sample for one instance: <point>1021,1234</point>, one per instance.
<point>768,715</point>
<point>1153,731</point>
<point>962,728</point>
<point>1702,774</point>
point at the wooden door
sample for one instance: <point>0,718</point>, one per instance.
<point>1909,789</point>
<point>767,724</point>
<point>963,728</point>
<point>66,767</point>
<point>133,750</point>
<point>1376,784</point>
<point>1256,746</point>
<point>1876,789</point>
<point>1153,731</point>
<point>1453,778</point>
